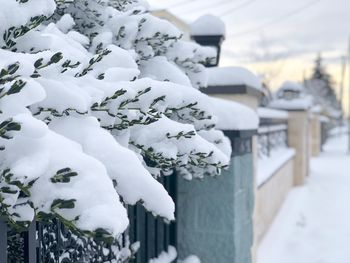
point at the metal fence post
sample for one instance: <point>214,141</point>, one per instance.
<point>30,244</point>
<point>3,241</point>
<point>269,143</point>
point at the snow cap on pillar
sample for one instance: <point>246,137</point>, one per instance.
<point>208,25</point>
<point>292,96</point>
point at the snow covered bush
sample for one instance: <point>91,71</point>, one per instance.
<point>97,99</point>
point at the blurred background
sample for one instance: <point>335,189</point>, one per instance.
<point>278,39</point>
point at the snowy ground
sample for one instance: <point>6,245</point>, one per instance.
<point>314,224</point>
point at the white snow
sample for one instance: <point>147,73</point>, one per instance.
<point>40,153</point>
<point>134,183</point>
<point>154,136</point>
<point>313,224</point>
<point>290,85</point>
<point>160,68</point>
<point>334,113</point>
<point>166,256</point>
<point>190,259</point>
<point>66,23</point>
<point>272,113</point>
<point>170,256</point>
<point>268,166</point>
<point>303,103</point>
<point>233,116</point>
<point>323,118</point>
<point>208,25</point>
<point>232,76</point>
<point>316,109</point>
<point>300,101</point>
<point>188,56</point>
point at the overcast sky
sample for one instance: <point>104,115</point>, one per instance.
<point>294,26</point>
<point>277,37</point>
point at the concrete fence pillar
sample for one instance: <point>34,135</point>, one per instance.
<point>315,138</point>
<point>248,96</point>
<point>299,139</point>
<point>216,214</point>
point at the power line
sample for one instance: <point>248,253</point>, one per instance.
<point>342,79</point>
<point>232,10</point>
<point>219,4</point>
<point>180,3</point>
<point>278,19</point>
<point>349,100</point>
<point>215,5</point>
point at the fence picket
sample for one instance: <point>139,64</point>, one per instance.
<point>30,244</point>
<point>3,241</point>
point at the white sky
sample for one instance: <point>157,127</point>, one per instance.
<point>279,38</point>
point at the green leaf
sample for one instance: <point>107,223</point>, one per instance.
<point>102,235</point>
<point>12,69</point>
<point>8,190</point>
<point>3,73</point>
<point>56,58</point>
<point>64,170</point>
<point>8,125</point>
<point>63,176</point>
<point>38,63</point>
<point>63,204</point>
<point>16,87</point>
<point>13,126</point>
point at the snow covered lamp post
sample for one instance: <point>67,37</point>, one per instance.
<point>209,30</point>
<point>291,97</point>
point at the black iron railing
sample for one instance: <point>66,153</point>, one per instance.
<point>324,133</point>
<point>51,242</point>
<point>153,234</point>
<point>272,136</point>
<point>18,247</point>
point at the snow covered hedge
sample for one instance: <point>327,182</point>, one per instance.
<point>97,99</point>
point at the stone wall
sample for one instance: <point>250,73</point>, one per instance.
<point>270,197</point>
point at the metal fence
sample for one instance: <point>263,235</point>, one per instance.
<point>51,242</point>
<point>272,135</point>
<point>18,247</point>
<point>153,233</point>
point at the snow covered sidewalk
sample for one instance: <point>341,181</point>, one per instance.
<point>313,225</point>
